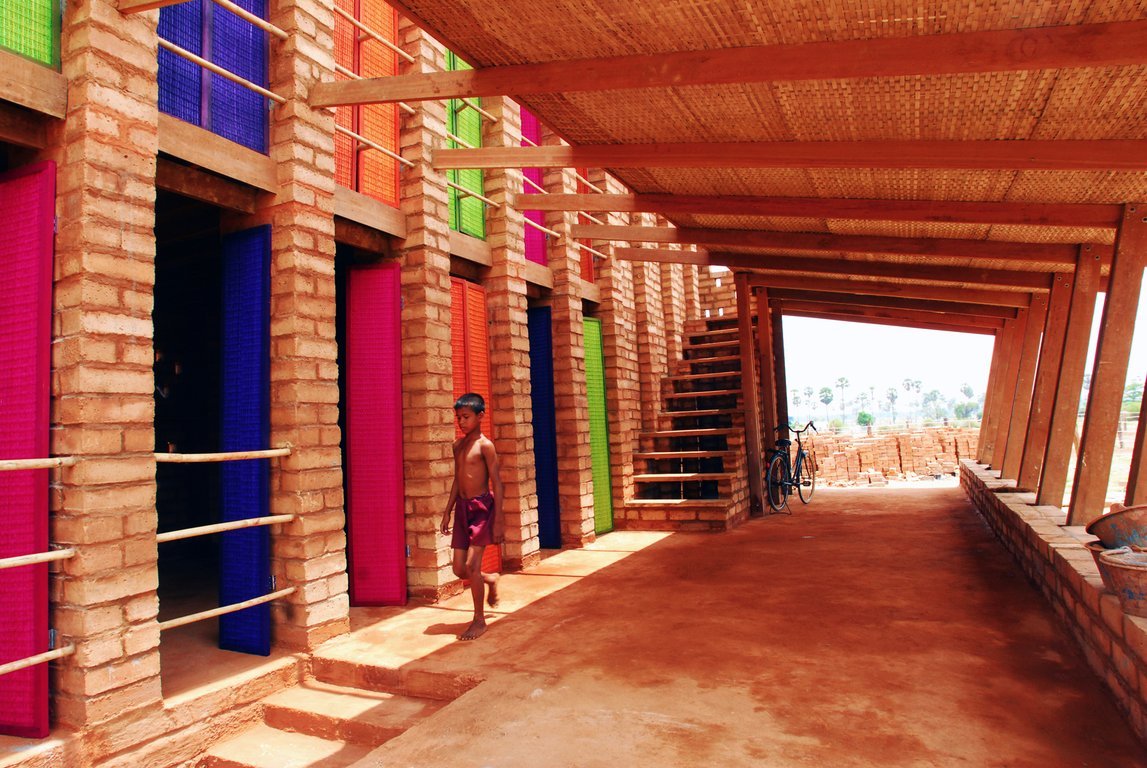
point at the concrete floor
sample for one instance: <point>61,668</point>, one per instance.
<point>870,628</point>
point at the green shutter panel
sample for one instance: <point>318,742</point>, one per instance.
<point>467,214</point>
<point>31,28</point>
<point>598,427</point>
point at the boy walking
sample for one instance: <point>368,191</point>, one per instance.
<point>477,523</point>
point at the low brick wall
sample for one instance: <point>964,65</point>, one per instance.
<point>931,451</point>
<point>1055,560</point>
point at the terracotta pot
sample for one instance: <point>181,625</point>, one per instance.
<point>1128,572</point>
<point>1122,527</point>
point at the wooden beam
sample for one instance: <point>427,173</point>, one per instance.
<point>1047,374</point>
<point>1062,255</point>
<point>205,149</point>
<point>364,238</point>
<point>1136,493</point>
<point>1109,375</point>
<point>1083,45</point>
<point>749,385</point>
<point>39,88</point>
<point>206,187</point>
<point>885,288</point>
<point>999,155</point>
<point>22,127</point>
<point>1007,389</point>
<point>1065,407</point>
<point>934,211</point>
<point>138,6</point>
<point>896,302</point>
<point>776,325</point>
<point>890,321</point>
<point>1025,383</point>
<point>767,391</point>
<point>357,207</point>
<point>990,396</point>
<point>894,313</point>
<point>1032,281</point>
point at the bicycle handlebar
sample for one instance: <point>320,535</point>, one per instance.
<point>806,428</point>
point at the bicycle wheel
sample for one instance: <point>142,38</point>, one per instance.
<point>806,479</point>
<point>777,491</point>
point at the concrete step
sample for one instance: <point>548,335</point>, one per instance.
<point>336,668</point>
<point>338,713</point>
<point>267,747</point>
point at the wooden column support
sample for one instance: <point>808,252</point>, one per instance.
<point>1025,381</point>
<point>779,378</point>
<point>1047,376</point>
<point>1061,430</point>
<point>1006,389</point>
<point>986,417</point>
<point>755,460</point>
<point>1137,477</point>
<point>1109,376</point>
<point>767,393</point>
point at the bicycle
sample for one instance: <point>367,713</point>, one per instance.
<point>781,477</point>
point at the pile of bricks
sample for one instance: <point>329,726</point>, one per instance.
<point>842,459</point>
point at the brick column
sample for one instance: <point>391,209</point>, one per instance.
<point>511,425</point>
<point>102,384</point>
<point>691,280</point>
<point>673,302</point>
<point>618,313</point>
<point>310,553</point>
<point>575,477</point>
<point>427,373</point>
<point>652,355</point>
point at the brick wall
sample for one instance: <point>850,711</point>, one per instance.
<point>1057,563</point>
<point>934,451</point>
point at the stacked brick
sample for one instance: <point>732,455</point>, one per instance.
<point>843,459</point>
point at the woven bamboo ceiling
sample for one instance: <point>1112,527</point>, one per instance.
<point>964,146</point>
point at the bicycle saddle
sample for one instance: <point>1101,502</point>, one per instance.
<point>784,443</point>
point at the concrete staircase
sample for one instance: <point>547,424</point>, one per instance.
<point>690,472</point>
<point>320,724</point>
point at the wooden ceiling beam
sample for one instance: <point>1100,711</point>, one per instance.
<point>891,313</point>
<point>934,211</point>
<point>1082,45</point>
<point>1004,278</point>
<point>895,322</point>
<point>1063,256</point>
<point>189,181</point>
<point>886,288</point>
<point>1017,155</point>
<point>894,302</point>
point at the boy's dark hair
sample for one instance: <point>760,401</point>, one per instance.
<point>471,400</point>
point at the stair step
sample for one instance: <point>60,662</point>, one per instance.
<point>710,345</point>
<point>267,747</point>
<point>699,432</point>
<point>700,376</point>
<point>679,503</point>
<point>713,360</point>
<point>734,331</point>
<point>701,413</point>
<point>683,477</point>
<point>338,713</point>
<point>704,393</point>
<point>669,455</point>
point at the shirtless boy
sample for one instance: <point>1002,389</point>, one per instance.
<point>476,522</point>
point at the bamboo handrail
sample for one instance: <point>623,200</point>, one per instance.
<point>367,30</point>
<point>588,183</point>
<point>12,465</point>
<point>459,140</point>
<point>535,185</point>
<point>594,219</point>
<point>356,76</point>
<point>531,142</point>
<point>36,559</point>
<point>478,109</point>
<point>243,13</point>
<point>233,525</point>
<point>183,53</point>
<point>374,145</point>
<point>540,228</point>
<point>40,658</point>
<point>205,458</point>
<point>470,193</point>
<point>224,609</point>
<point>578,246</point>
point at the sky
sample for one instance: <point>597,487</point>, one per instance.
<point>818,352</point>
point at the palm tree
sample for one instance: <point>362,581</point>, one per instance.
<point>842,384</point>
<point>808,397</point>
<point>892,394</point>
<point>826,398</point>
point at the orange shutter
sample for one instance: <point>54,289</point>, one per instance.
<point>344,116</point>
<point>378,173</point>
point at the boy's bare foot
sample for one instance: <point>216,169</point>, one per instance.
<point>492,592</point>
<point>474,631</point>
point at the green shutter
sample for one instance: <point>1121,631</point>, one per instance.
<point>31,28</point>
<point>467,214</point>
<point>598,427</point>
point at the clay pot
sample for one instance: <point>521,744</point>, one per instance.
<point>1096,548</point>
<point>1122,527</point>
<point>1128,572</point>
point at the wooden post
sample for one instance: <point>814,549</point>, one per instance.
<point>1061,431</point>
<point>1137,477</point>
<point>779,370</point>
<point>986,419</point>
<point>1047,375</point>
<point>1006,390</point>
<point>1021,406</point>
<point>1109,376</point>
<point>748,390</point>
<point>768,391</point>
